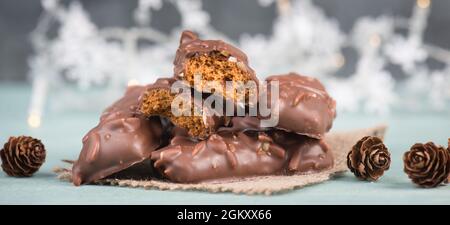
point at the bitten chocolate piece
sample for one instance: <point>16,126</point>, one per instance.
<point>304,105</point>
<point>221,156</point>
<point>199,121</point>
<point>305,154</point>
<point>214,60</point>
<point>120,140</point>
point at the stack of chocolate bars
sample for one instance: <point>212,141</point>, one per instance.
<point>206,123</point>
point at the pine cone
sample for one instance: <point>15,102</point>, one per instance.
<point>427,165</point>
<point>448,150</point>
<point>22,156</point>
<point>369,158</point>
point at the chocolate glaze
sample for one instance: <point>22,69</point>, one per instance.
<point>231,155</point>
<point>304,105</point>
<point>191,45</point>
<point>305,154</point>
<point>241,123</point>
<point>221,156</point>
<point>120,140</point>
<point>139,171</point>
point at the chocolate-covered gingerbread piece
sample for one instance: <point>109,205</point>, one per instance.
<point>189,113</point>
<point>222,156</point>
<point>214,60</point>
<point>304,105</point>
<point>232,155</point>
<point>305,154</point>
<point>122,139</point>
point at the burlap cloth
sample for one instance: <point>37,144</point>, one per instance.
<point>340,143</point>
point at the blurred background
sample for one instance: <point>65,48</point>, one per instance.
<point>232,17</point>
<point>374,57</point>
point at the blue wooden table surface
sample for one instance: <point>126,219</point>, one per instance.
<point>62,133</point>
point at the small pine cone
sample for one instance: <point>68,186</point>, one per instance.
<point>427,165</point>
<point>369,158</point>
<point>22,156</point>
<point>448,150</point>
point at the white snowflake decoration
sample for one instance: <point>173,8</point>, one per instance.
<point>439,90</point>
<point>302,39</point>
<point>142,14</point>
<point>405,52</point>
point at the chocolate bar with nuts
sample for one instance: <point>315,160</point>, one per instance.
<point>221,156</point>
<point>122,139</point>
<point>304,105</point>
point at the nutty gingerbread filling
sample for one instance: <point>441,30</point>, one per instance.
<point>158,102</point>
<point>220,67</point>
